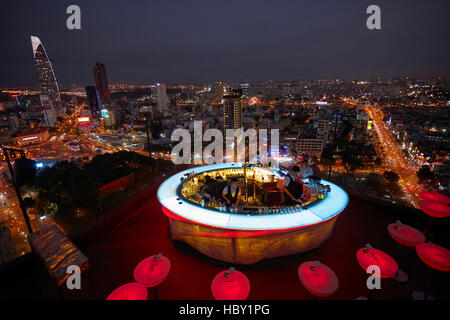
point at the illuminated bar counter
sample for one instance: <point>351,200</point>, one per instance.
<point>256,230</point>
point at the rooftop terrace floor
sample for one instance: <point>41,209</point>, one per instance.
<point>114,255</point>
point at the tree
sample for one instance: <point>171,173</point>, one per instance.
<point>28,202</point>
<point>425,174</point>
<point>375,183</point>
<point>352,156</point>
<point>156,129</point>
<point>326,159</point>
<point>69,186</point>
<point>391,176</point>
<point>392,186</point>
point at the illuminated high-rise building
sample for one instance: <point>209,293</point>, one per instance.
<point>159,97</point>
<point>46,76</point>
<point>101,82</point>
<point>218,89</point>
<point>232,109</point>
<point>245,87</point>
<point>48,111</point>
<point>92,99</point>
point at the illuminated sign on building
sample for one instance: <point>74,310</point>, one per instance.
<point>369,125</point>
<point>105,113</point>
<point>83,119</point>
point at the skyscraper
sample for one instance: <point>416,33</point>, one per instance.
<point>245,88</point>
<point>218,90</point>
<point>159,97</point>
<point>101,82</point>
<point>92,99</point>
<point>46,76</point>
<point>48,110</point>
<point>232,109</point>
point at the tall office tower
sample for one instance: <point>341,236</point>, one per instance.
<point>48,110</point>
<point>219,89</point>
<point>46,76</point>
<point>323,129</point>
<point>108,117</point>
<point>232,109</point>
<point>92,99</point>
<point>101,82</point>
<point>245,87</point>
<point>159,97</point>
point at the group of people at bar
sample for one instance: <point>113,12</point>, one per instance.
<point>291,185</point>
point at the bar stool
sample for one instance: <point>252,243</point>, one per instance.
<point>129,291</point>
<point>152,271</point>
<point>368,256</point>
<point>437,258</point>
<point>407,236</point>
<point>230,285</point>
<point>434,196</point>
<point>318,279</point>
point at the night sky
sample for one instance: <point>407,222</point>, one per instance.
<point>194,41</point>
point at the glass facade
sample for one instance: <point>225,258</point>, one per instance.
<point>232,109</point>
<point>46,76</point>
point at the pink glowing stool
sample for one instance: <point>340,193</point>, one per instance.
<point>434,196</point>
<point>318,279</point>
<point>152,271</point>
<point>434,256</point>
<point>434,209</point>
<point>368,256</point>
<point>437,258</point>
<point>405,236</point>
<point>129,291</point>
<point>230,285</point>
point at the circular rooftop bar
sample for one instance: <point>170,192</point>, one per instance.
<point>260,227</point>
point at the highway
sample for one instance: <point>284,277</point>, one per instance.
<point>394,159</point>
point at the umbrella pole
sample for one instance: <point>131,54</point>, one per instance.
<point>370,294</point>
<point>246,183</point>
<point>427,284</point>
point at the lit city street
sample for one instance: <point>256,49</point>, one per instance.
<point>395,159</point>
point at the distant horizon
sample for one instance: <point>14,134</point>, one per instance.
<point>176,83</point>
<point>198,41</point>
